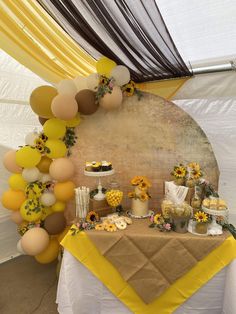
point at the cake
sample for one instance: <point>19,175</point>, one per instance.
<point>140,196</point>
<point>97,166</point>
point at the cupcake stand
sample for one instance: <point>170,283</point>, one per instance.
<point>99,196</point>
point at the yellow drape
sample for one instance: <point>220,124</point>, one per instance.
<point>33,38</point>
<point>85,251</point>
<point>166,88</point>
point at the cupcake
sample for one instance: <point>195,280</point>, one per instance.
<point>88,166</point>
<point>106,166</point>
<point>96,166</point>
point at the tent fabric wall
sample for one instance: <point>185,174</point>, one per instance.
<point>211,100</point>
<point>17,119</point>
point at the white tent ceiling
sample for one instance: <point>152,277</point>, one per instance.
<point>202,30</point>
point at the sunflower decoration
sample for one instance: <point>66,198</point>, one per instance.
<point>129,89</point>
<point>158,219</point>
<point>40,144</point>
<point>179,171</point>
<point>105,86</point>
<point>92,217</point>
<point>194,166</point>
<point>142,184</point>
<point>196,174</point>
<point>201,216</point>
<point>110,227</point>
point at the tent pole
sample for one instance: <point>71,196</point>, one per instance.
<point>231,66</point>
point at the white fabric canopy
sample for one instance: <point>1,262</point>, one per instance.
<point>202,30</point>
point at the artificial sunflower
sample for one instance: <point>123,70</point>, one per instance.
<point>43,137</point>
<point>131,194</point>
<point>92,217</point>
<point>110,227</point>
<point>196,174</point>
<point>100,227</point>
<point>136,180</point>
<point>143,197</point>
<point>129,89</point>
<point>148,183</point>
<point>143,186</point>
<point>201,216</point>
<point>158,219</point>
<point>194,166</point>
<point>179,172</point>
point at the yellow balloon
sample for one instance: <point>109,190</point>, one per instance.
<point>73,122</point>
<point>27,157</point>
<point>50,253</point>
<point>41,99</point>
<point>64,191</point>
<point>105,65</point>
<point>46,212</point>
<point>58,206</point>
<point>31,210</point>
<point>17,182</point>
<point>13,199</point>
<point>34,190</point>
<point>54,128</point>
<point>57,148</point>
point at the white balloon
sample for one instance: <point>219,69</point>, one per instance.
<point>80,83</point>
<point>31,174</point>
<point>48,199</point>
<point>30,138</point>
<point>19,247</point>
<point>44,177</point>
<point>67,87</point>
<point>121,75</point>
<point>92,81</point>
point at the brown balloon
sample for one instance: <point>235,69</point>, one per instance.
<point>86,101</point>
<point>55,223</point>
<point>42,120</point>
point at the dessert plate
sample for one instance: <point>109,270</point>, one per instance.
<point>150,213</point>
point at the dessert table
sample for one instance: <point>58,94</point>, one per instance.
<point>141,270</point>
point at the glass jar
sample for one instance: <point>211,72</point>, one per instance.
<point>201,227</point>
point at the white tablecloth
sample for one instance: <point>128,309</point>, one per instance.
<point>80,292</point>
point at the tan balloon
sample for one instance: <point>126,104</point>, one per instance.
<point>16,217</point>
<point>41,99</point>
<point>9,161</point>
<point>113,100</point>
<point>44,164</point>
<point>35,241</point>
<point>62,169</point>
<point>64,107</point>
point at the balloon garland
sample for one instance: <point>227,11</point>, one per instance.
<point>41,181</point>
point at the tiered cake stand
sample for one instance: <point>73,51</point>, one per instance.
<point>214,228</point>
<point>99,196</point>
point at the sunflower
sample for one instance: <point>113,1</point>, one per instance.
<point>194,166</point>
<point>92,217</point>
<point>100,227</point>
<point>110,227</point>
<point>201,217</point>
<point>196,174</point>
<point>179,172</point>
<point>143,186</point>
<point>158,219</point>
<point>129,89</point>
<point>131,194</point>
<point>40,145</point>
<point>43,137</point>
<point>136,180</point>
<point>143,197</point>
<point>148,183</point>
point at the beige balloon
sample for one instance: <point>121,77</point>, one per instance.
<point>64,107</point>
<point>9,161</point>
<point>62,169</point>
<point>113,100</point>
<point>35,241</point>
<point>16,217</point>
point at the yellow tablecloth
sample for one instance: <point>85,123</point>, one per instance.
<point>86,252</point>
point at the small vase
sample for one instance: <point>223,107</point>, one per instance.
<point>201,227</point>
<point>179,181</point>
<point>180,223</point>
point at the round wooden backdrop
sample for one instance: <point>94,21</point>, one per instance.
<point>144,137</point>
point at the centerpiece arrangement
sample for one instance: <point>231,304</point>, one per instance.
<point>140,196</point>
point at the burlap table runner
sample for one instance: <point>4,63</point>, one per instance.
<point>149,260</point>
